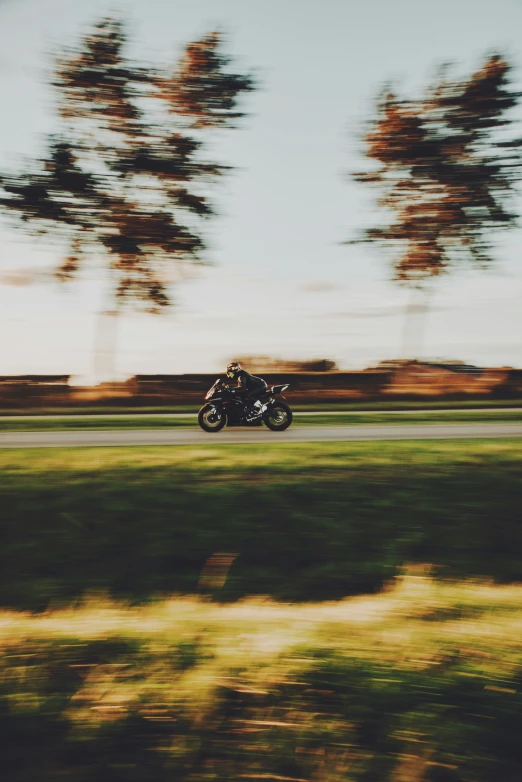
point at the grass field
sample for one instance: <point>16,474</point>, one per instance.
<point>151,421</point>
<point>169,622</point>
<point>422,683</point>
<point>307,522</point>
<point>382,405</point>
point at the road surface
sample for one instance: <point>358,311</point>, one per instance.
<point>301,434</point>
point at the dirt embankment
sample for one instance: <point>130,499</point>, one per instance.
<point>400,381</point>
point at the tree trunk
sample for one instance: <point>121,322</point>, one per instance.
<point>105,342</point>
<point>415,323</point>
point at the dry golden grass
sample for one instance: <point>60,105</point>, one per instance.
<point>383,687</point>
<point>408,624</point>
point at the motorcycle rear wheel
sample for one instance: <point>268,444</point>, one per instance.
<point>211,419</point>
<point>278,417</point>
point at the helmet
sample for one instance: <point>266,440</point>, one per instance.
<point>233,369</point>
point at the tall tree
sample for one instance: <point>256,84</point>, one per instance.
<point>125,179</point>
<point>445,167</point>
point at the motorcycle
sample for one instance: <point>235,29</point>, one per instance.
<point>224,408</point>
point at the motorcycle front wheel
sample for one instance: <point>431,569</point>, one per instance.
<point>278,417</point>
<point>211,419</point>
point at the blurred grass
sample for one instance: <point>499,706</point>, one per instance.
<point>407,417</point>
<point>335,405</point>
<point>14,424</point>
<point>422,683</point>
<point>307,521</point>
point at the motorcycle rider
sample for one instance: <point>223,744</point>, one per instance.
<point>249,388</point>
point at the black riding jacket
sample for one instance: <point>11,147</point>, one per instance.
<point>249,383</point>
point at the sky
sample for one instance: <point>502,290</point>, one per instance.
<point>281,282</point>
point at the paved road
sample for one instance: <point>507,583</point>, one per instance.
<point>301,434</point>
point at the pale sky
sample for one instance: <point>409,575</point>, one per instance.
<point>281,283</point>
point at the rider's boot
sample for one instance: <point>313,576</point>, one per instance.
<point>257,409</point>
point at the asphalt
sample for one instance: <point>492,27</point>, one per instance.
<point>301,434</point>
